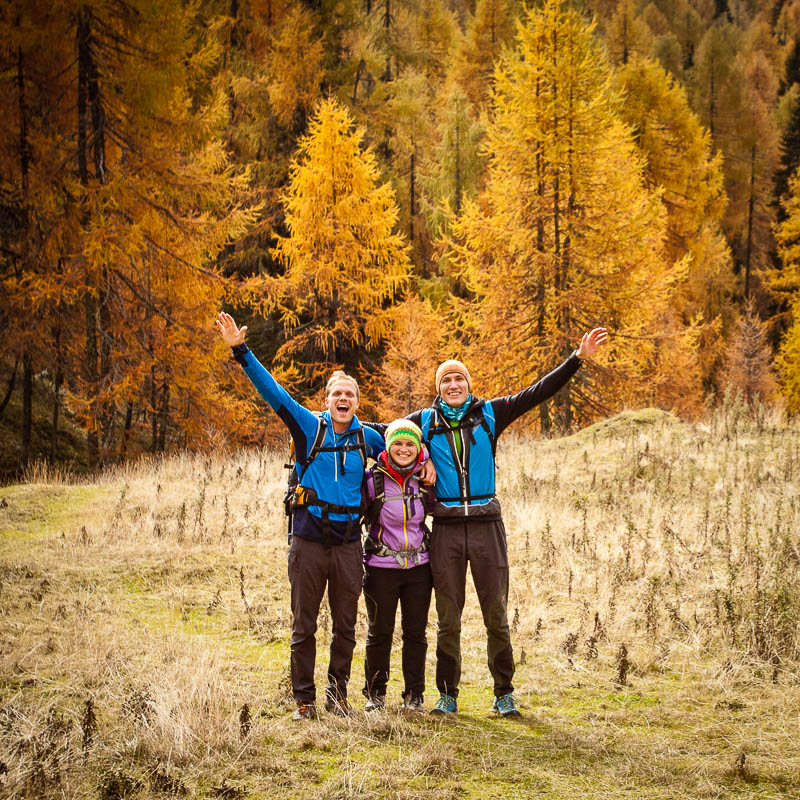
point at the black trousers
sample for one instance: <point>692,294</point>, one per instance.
<point>383,588</point>
<point>311,567</point>
<point>482,545</point>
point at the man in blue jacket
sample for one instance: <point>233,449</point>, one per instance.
<point>325,545</point>
<point>461,433</point>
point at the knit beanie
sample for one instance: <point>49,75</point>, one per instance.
<point>403,429</point>
<point>452,366</point>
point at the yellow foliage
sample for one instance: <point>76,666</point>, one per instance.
<point>566,235</point>
<point>786,284</point>
<point>343,261</point>
<point>404,380</point>
<point>681,162</point>
<point>296,65</point>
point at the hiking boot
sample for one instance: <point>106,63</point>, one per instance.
<point>338,706</point>
<point>304,711</point>
<point>376,702</point>
<point>412,703</point>
<point>446,704</point>
<point>506,706</point>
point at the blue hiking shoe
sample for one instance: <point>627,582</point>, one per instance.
<point>446,704</point>
<point>506,706</point>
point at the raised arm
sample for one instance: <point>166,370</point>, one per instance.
<point>301,422</point>
<point>511,407</point>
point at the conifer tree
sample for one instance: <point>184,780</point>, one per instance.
<point>566,235</point>
<point>456,163</point>
<point>747,368</point>
<point>488,32</point>
<point>717,80</point>
<point>790,152</point>
<point>627,34</point>
<point>750,177</point>
<point>680,160</point>
<point>785,284</point>
<point>146,203</point>
<point>343,258</point>
<point>272,66</point>
<point>404,380</point>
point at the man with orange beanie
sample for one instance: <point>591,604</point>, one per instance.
<point>461,433</point>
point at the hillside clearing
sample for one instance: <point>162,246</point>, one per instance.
<point>144,625</point>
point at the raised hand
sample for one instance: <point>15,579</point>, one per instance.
<point>231,333</point>
<point>591,341</point>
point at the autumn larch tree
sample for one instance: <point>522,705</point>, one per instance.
<point>785,283</point>
<point>343,258</point>
<point>566,235</point>
<point>140,180</point>
<point>681,161</point>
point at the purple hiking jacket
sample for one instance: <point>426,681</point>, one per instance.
<point>400,524</point>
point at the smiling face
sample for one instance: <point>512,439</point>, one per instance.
<point>342,402</point>
<point>403,452</point>
<point>454,389</point>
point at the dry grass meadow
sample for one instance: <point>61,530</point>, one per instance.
<point>144,631</point>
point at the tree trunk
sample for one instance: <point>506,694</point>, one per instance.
<point>11,382</point>
<point>59,380</point>
<point>411,201</point>
<point>544,417</point>
<point>458,191</point>
<point>126,431</point>
<point>153,412</point>
<point>97,314</point>
<point>387,22</point>
<point>163,417</point>
<point>27,407</point>
<point>750,212</point>
<point>359,68</point>
<point>24,155</point>
<point>89,304</point>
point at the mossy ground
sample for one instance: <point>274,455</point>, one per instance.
<point>156,599</point>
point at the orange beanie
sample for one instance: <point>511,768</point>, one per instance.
<point>452,366</point>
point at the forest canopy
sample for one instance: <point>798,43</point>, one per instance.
<point>378,185</point>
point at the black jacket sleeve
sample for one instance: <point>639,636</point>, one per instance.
<point>511,407</point>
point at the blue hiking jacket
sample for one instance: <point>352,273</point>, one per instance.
<point>465,485</point>
<point>335,477</point>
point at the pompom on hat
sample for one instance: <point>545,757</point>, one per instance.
<point>452,366</point>
<point>403,429</point>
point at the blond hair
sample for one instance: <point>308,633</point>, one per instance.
<point>339,375</point>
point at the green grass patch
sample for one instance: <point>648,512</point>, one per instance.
<point>33,511</point>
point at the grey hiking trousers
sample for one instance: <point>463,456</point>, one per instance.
<point>312,567</point>
<point>481,544</point>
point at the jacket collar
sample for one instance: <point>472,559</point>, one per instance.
<point>477,403</point>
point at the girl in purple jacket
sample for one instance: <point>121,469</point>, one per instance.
<point>396,563</point>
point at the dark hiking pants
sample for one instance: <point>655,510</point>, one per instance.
<point>383,588</point>
<point>482,544</point>
<point>311,567</point>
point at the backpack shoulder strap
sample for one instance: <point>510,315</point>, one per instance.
<point>430,424</point>
<point>316,445</point>
<point>319,439</point>
<point>361,443</point>
<point>487,427</point>
<point>376,503</point>
<point>379,482</point>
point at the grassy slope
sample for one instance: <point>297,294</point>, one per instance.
<point>159,594</point>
